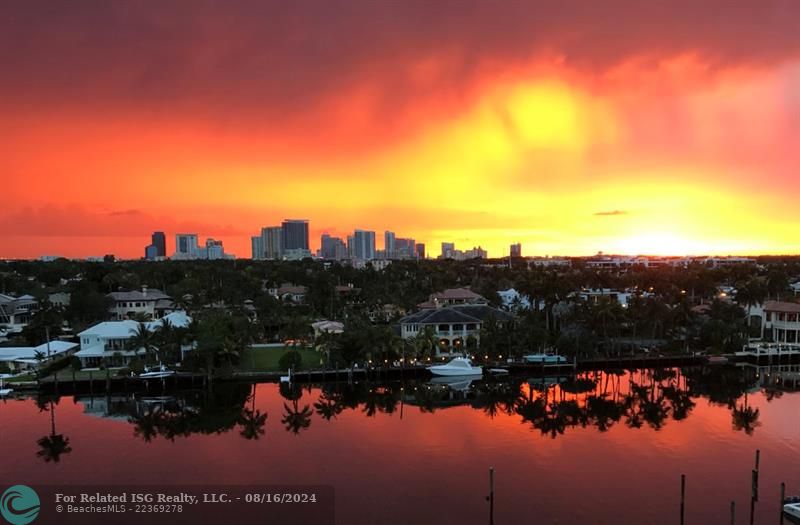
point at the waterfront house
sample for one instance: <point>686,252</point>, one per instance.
<point>16,312</point>
<point>21,358</point>
<point>781,322</point>
<point>150,303</point>
<point>109,341</point>
<point>454,316</point>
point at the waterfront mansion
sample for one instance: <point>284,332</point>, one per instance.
<point>455,316</point>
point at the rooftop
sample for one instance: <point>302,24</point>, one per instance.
<point>782,306</point>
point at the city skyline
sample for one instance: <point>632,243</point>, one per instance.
<point>577,128</point>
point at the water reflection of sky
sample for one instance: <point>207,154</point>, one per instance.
<point>431,467</point>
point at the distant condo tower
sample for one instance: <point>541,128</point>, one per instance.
<point>516,250</point>
<point>157,247</point>
<point>389,245</point>
<point>295,234</point>
<point>159,240</point>
<point>186,246</point>
<point>364,245</point>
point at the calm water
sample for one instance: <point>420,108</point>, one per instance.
<point>600,448</point>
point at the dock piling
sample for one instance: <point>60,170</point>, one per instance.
<point>490,497</point>
<point>733,513</point>
<point>783,498</point>
<point>683,497</point>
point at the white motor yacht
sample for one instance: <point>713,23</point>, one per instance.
<point>156,373</point>
<point>545,358</point>
<point>459,366</point>
<point>792,511</point>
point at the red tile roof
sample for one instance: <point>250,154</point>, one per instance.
<point>781,306</point>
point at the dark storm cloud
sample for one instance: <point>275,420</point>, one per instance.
<point>259,59</point>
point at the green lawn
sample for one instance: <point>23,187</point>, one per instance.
<point>266,359</point>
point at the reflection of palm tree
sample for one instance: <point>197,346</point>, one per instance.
<point>745,417</point>
<point>53,446</point>
<point>146,425</point>
<point>295,419</point>
<point>329,405</point>
<point>252,421</point>
<point>603,411</point>
<point>680,401</point>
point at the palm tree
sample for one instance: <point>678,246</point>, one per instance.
<point>144,339</point>
<point>230,350</point>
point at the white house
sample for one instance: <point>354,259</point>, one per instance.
<point>22,358</point>
<point>109,340</point>
<point>513,300</point>
<point>781,321</point>
<point>454,316</point>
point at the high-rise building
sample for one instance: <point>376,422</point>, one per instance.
<point>448,250</point>
<point>151,252</point>
<point>213,250</point>
<point>256,247</point>
<point>295,234</point>
<point>404,248</point>
<point>420,250</point>
<point>272,242</point>
<point>516,250</point>
<point>364,245</point>
<point>159,240</point>
<point>332,248</point>
<point>186,246</point>
<point>389,245</point>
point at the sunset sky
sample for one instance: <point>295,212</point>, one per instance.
<point>571,127</point>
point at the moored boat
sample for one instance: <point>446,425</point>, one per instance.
<point>459,366</point>
<point>4,392</point>
<point>545,358</point>
<point>792,512</point>
<point>158,373</point>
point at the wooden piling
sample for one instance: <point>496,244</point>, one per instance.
<point>733,513</point>
<point>490,497</point>
<point>783,498</point>
<point>683,497</point>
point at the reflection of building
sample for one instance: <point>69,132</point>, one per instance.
<point>778,377</point>
<point>454,316</point>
